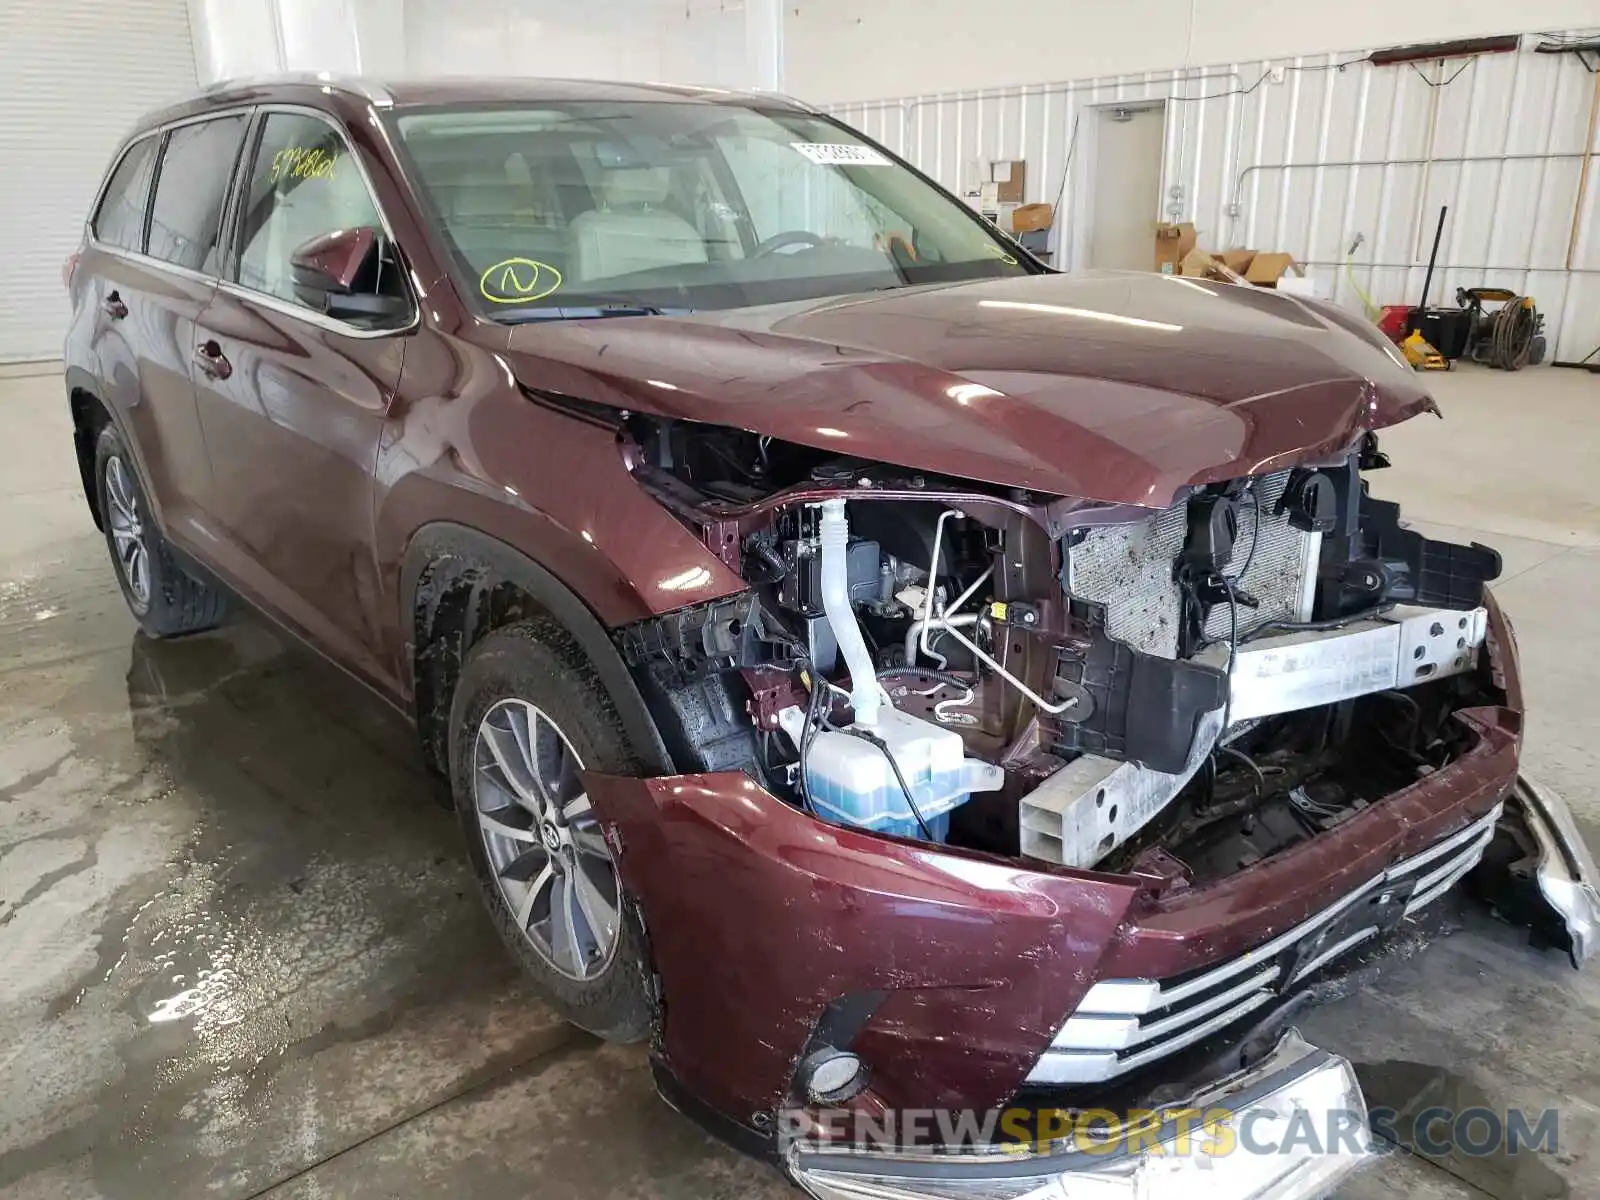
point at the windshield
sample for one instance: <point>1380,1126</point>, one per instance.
<point>589,208</point>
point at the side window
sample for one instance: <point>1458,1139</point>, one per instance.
<point>120,220</point>
<point>302,186</point>
<point>191,188</point>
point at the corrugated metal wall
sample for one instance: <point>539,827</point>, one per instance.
<point>1339,147</point>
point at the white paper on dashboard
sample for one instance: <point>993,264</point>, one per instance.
<point>839,154</point>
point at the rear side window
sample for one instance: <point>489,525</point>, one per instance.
<point>190,190</point>
<point>120,221</point>
<point>303,185</point>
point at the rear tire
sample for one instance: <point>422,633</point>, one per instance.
<point>163,597</point>
<point>529,687</point>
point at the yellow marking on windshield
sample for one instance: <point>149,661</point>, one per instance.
<point>1009,259</point>
<point>518,281</point>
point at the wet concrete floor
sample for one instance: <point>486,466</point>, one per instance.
<point>241,955</point>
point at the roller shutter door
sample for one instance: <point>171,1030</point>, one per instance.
<point>74,75</point>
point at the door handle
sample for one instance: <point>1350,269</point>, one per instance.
<point>208,356</point>
<point>114,307</point>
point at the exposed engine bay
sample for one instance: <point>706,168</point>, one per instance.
<point>1175,693</point>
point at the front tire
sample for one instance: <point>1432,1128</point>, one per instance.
<point>529,715</point>
<point>164,599</point>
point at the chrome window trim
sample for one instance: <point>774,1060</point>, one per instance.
<point>159,264</point>
<point>290,309</point>
<point>233,287</point>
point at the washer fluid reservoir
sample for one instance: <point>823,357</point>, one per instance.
<point>851,782</point>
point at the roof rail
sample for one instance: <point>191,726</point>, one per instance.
<point>772,94</point>
<point>367,89</point>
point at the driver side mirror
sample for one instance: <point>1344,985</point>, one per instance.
<point>337,273</point>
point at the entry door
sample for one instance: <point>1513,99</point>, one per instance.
<point>293,401</point>
<point>1127,188</point>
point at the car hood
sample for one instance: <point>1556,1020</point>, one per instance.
<point>1116,387</point>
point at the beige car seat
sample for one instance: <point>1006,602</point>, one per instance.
<point>630,231</point>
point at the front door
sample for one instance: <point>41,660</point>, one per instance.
<point>292,401</point>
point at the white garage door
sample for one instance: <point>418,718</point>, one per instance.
<point>74,75</point>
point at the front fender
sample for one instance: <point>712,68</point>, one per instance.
<point>463,446</point>
<point>461,550</point>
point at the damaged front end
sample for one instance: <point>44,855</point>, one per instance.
<point>991,797</point>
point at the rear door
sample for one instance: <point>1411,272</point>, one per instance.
<point>109,275</point>
<point>293,401</point>
<point>182,252</point>
<point>147,272</point>
<point>133,309</point>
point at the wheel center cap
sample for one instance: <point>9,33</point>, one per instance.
<point>551,835</point>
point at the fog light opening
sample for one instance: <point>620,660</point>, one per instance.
<point>832,1076</point>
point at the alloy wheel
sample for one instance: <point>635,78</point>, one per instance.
<point>550,858</point>
<point>127,532</point>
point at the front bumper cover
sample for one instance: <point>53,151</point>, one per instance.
<point>1295,1078</point>
<point>1231,1141</point>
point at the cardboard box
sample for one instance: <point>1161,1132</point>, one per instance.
<point>1197,264</point>
<point>1237,260</point>
<point>1173,242</point>
<point>1010,179</point>
<point>1030,217</point>
<point>1266,269</point>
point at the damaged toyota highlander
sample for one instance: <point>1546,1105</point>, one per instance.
<point>880,671</point>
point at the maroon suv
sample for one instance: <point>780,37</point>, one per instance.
<point>887,674</point>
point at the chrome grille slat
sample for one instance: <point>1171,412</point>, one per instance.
<point>1165,996</point>
<point>1473,848</point>
<point>1075,1066</point>
<point>1439,888</point>
<point>1126,1032</point>
<point>1111,1033</point>
<point>1475,830</point>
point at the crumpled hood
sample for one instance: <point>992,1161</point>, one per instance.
<point>1113,387</point>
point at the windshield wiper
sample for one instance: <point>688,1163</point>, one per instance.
<point>586,312</point>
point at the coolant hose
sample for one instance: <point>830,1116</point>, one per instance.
<point>835,537</point>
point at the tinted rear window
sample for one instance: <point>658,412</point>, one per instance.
<point>120,221</point>
<point>190,191</point>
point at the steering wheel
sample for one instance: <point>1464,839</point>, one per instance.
<point>791,237</point>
